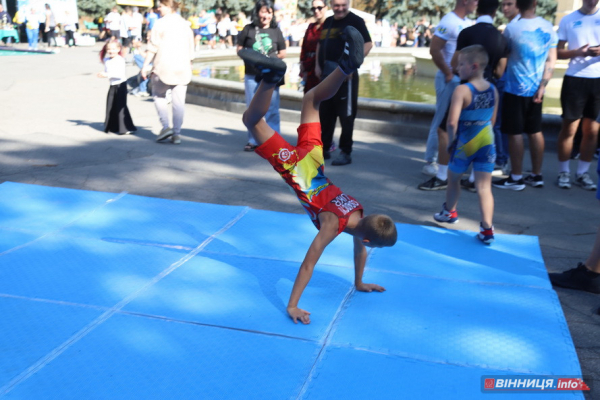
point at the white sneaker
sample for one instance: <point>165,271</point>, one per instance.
<point>564,180</point>
<point>430,169</point>
<point>176,139</point>
<point>585,181</point>
<point>165,133</point>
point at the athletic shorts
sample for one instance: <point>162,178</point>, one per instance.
<point>196,32</point>
<point>484,159</point>
<point>520,115</point>
<point>580,97</point>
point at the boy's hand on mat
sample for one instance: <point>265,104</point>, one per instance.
<point>369,287</point>
<point>298,314</point>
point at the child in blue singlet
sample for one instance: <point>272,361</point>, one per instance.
<point>470,121</point>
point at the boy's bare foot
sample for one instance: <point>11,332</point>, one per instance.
<point>272,69</point>
<point>354,52</point>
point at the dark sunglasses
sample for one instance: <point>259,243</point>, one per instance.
<point>313,9</point>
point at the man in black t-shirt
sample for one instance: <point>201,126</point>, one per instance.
<point>345,101</point>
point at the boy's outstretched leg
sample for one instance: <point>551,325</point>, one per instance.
<point>272,69</point>
<point>351,59</point>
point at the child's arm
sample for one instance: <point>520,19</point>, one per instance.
<point>459,101</point>
<point>360,259</point>
<point>328,232</point>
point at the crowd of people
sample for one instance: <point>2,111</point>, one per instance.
<point>483,76</point>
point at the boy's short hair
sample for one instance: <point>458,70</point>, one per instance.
<point>487,7</point>
<point>476,54</point>
<point>524,5</point>
<point>380,229</point>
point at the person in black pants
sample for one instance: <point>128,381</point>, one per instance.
<point>344,103</point>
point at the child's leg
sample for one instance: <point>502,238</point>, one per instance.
<point>483,183</point>
<point>253,116</point>
<point>453,190</point>
<point>325,90</point>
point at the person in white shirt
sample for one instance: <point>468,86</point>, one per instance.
<point>580,95</point>
<point>443,45</point>
<point>135,29</point>
<point>113,23</point>
<point>171,50</point>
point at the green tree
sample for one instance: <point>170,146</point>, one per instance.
<point>94,8</point>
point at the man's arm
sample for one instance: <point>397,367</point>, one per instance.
<point>563,54</point>
<point>360,259</point>
<point>435,49</point>
<point>367,48</point>
<point>328,232</point>
<point>500,68</point>
<point>548,71</point>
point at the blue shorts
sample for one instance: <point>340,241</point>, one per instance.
<point>483,160</point>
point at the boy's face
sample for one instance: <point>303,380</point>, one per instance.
<point>509,9</point>
<point>466,68</point>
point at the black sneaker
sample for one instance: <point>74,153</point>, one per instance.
<point>272,69</point>
<point>534,180</point>
<point>434,184</point>
<point>342,159</point>
<point>466,184</point>
<point>354,50</point>
<point>579,278</point>
<point>509,183</point>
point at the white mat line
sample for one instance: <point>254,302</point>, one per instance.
<point>41,363</point>
<point>183,321</point>
<point>51,301</point>
<point>441,278</point>
<point>152,316</point>
<point>329,334</point>
<point>62,228</point>
<point>414,357</point>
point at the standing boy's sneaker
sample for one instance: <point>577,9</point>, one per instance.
<point>585,181</point>
<point>434,183</point>
<point>450,217</point>
<point>509,183</point>
<point>580,278</point>
<point>354,50</point>
<point>564,180</point>
<point>534,180</point>
<point>342,159</point>
<point>271,68</point>
<point>485,235</point>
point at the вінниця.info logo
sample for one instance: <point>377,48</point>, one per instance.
<point>531,383</point>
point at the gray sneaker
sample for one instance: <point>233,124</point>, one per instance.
<point>564,180</point>
<point>165,133</point>
<point>176,139</point>
<point>585,181</point>
<point>342,159</point>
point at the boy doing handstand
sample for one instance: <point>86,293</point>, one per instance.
<point>301,166</point>
<point>470,120</point>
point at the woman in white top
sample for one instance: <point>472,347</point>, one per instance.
<point>171,51</point>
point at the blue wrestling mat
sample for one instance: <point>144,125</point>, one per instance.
<point>115,296</point>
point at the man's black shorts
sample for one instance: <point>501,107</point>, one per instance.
<point>580,97</point>
<point>520,115</point>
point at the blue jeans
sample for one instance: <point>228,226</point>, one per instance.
<point>500,139</point>
<point>32,37</point>
<point>139,60</point>
<point>443,95</point>
<point>272,116</point>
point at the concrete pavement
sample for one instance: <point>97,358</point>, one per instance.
<point>51,133</point>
